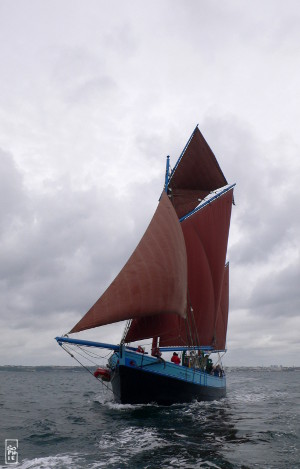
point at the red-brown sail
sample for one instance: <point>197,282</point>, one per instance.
<point>206,236</point>
<point>185,200</point>
<point>196,174</point>
<point>151,326</point>
<point>154,280</point>
<point>222,317</point>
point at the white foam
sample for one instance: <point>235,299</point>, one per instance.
<point>58,461</point>
<point>116,406</point>
<point>104,398</point>
<point>117,447</point>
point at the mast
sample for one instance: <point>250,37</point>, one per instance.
<point>167,174</point>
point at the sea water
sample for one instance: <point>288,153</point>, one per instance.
<point>63,417</point>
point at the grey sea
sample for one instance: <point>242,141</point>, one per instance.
<point>63,417</point>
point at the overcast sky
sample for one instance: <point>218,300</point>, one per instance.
<point>93,96</point>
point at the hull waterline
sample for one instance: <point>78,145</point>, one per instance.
<point>134,386</point>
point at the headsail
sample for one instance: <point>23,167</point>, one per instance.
<point>154,280</point>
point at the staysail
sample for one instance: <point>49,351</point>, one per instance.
<point>154,280</point>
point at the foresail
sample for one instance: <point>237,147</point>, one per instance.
<point>154,280</point>
<point>195,175</point>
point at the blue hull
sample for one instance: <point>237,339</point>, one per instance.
<point>140,379</point>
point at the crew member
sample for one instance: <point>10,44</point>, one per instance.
<point>175,359</point>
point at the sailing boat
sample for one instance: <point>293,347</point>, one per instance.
<point>173,290</point>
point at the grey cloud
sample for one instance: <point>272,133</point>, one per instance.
<point>89,117</point>
<point>122,40</point>
<point>80,76</point>
<point>267,190</point>
<point>70,245</point>
<point>12,201</point>
<point>264,249</point>
<point>277,294</point>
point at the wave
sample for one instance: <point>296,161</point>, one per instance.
<point>49,462</point>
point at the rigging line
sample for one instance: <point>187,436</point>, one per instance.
<point>92,354</point>
<point>220,358</point>
<point>83,355</point>
<point>66,350</point>
<point>85,367</point>
<point>86,355</point>
<point>189,332</point>
<point>193,317</point>
<point>88,352</point>
<point>186,324</point>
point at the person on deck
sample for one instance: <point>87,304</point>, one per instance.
<point>175,359</point>
<point>209,365</point>
<point>217,371</point>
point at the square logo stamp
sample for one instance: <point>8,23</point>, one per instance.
<point>11,451</point>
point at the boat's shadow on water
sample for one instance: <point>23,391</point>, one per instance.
<point>196,434</point>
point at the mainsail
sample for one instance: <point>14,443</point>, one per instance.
<point>206,234</point>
